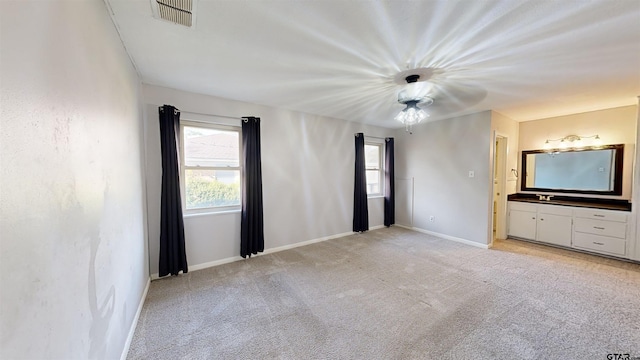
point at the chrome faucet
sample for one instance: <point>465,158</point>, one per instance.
<point>543,197</point>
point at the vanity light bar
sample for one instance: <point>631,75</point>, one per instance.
<point>573,138</point>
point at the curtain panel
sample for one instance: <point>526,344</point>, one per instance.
<point>173,255</point>
<point>251,222</point>
<point>389,184</point>
<point>360,206</point>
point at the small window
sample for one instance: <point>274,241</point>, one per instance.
<point>373,165</point>
<point>210,167</point>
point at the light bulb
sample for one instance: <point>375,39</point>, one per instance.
<point>400,117</point>
<point>411,116</point>
<point>597,141</point>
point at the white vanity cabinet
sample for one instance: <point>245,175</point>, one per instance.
<point>546,223</point>
<point>522,220</point>
<point>595,230</point>
<point>601,231</point>
<point>554,224</point>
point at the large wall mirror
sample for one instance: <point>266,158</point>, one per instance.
<point>586,171</point>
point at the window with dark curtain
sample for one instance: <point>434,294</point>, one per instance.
<point>360,206</point>
<point>173,255</point>
<point>389,184</point>
<point>251,221</point>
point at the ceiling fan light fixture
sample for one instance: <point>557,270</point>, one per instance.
<point>411,115</point>
<point>412,95</point>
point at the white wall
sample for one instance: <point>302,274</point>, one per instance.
<point>615,126</point>
<point>73,252</point>
<point>438,156</point>
<point>307,169</point>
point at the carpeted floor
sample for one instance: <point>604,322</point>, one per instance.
<point>397,294</point>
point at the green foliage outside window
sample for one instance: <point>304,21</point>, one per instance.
<point>206,192</point>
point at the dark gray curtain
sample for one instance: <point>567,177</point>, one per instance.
<point>389,185</point>
<point>251,222</point>
<point>360,207</point>
<point>173,256</point>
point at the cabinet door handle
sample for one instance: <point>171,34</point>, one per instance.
<point>541,219</point>
<point>533,218</point>
<point>598,243</point>
<point>596,215</point>
<point>598,227</point>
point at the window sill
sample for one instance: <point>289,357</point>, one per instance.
<point>208,213</point>
<point>375,197</point>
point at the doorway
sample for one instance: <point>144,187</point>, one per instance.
<point>499,216</point>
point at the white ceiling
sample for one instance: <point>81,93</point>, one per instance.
<point>525,59</point>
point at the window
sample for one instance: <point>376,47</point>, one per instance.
<point>373,165</point>
<point>210,167</point>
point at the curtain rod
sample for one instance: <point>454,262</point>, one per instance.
<point>221,116</point>
<point>374,137</point>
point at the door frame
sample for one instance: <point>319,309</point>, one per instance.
<point>501,210</point>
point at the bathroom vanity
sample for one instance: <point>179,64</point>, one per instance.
<point>585,224</point>
<point>572,198</point>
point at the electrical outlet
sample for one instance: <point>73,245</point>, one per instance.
<point>432,218</point>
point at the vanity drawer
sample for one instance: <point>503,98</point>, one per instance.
<point>601,215</point>
<point>515,205</point>
<point>599,227</point>
<point>555,210</point>
<point>604,244</point>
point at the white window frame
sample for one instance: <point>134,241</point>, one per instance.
<point>380,144</point>
<point>183,168</point>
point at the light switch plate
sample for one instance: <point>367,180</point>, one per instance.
<point>472,173</point>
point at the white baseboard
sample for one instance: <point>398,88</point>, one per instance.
<point>214,263</point>
<point>206,265</point>
<point>447,237</point>
<point>304,243</point>
<point>132,329</point>
<point>267,251</point>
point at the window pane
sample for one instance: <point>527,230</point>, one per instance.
<point>211,188</point>
<point>373,181</point>
<point>372,156</point>
<point>211,147</point>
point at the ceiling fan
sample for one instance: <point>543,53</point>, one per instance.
<point>438,89</point>
<point>412,96</point>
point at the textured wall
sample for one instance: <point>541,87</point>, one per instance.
<point>439,156</point>
<point>307,170</point>
<point>72,260</point>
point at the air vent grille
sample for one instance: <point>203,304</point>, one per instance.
<point>176,11</point>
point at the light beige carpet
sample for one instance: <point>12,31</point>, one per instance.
<point>397,294</point>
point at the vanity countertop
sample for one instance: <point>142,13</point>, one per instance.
<point>595,203</point>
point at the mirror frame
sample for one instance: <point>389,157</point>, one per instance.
<point>617,175</point>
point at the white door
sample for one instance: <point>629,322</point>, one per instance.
<point>554,229</point>
<point>522,224</point>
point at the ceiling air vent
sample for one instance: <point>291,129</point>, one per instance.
<point>176,11</point>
